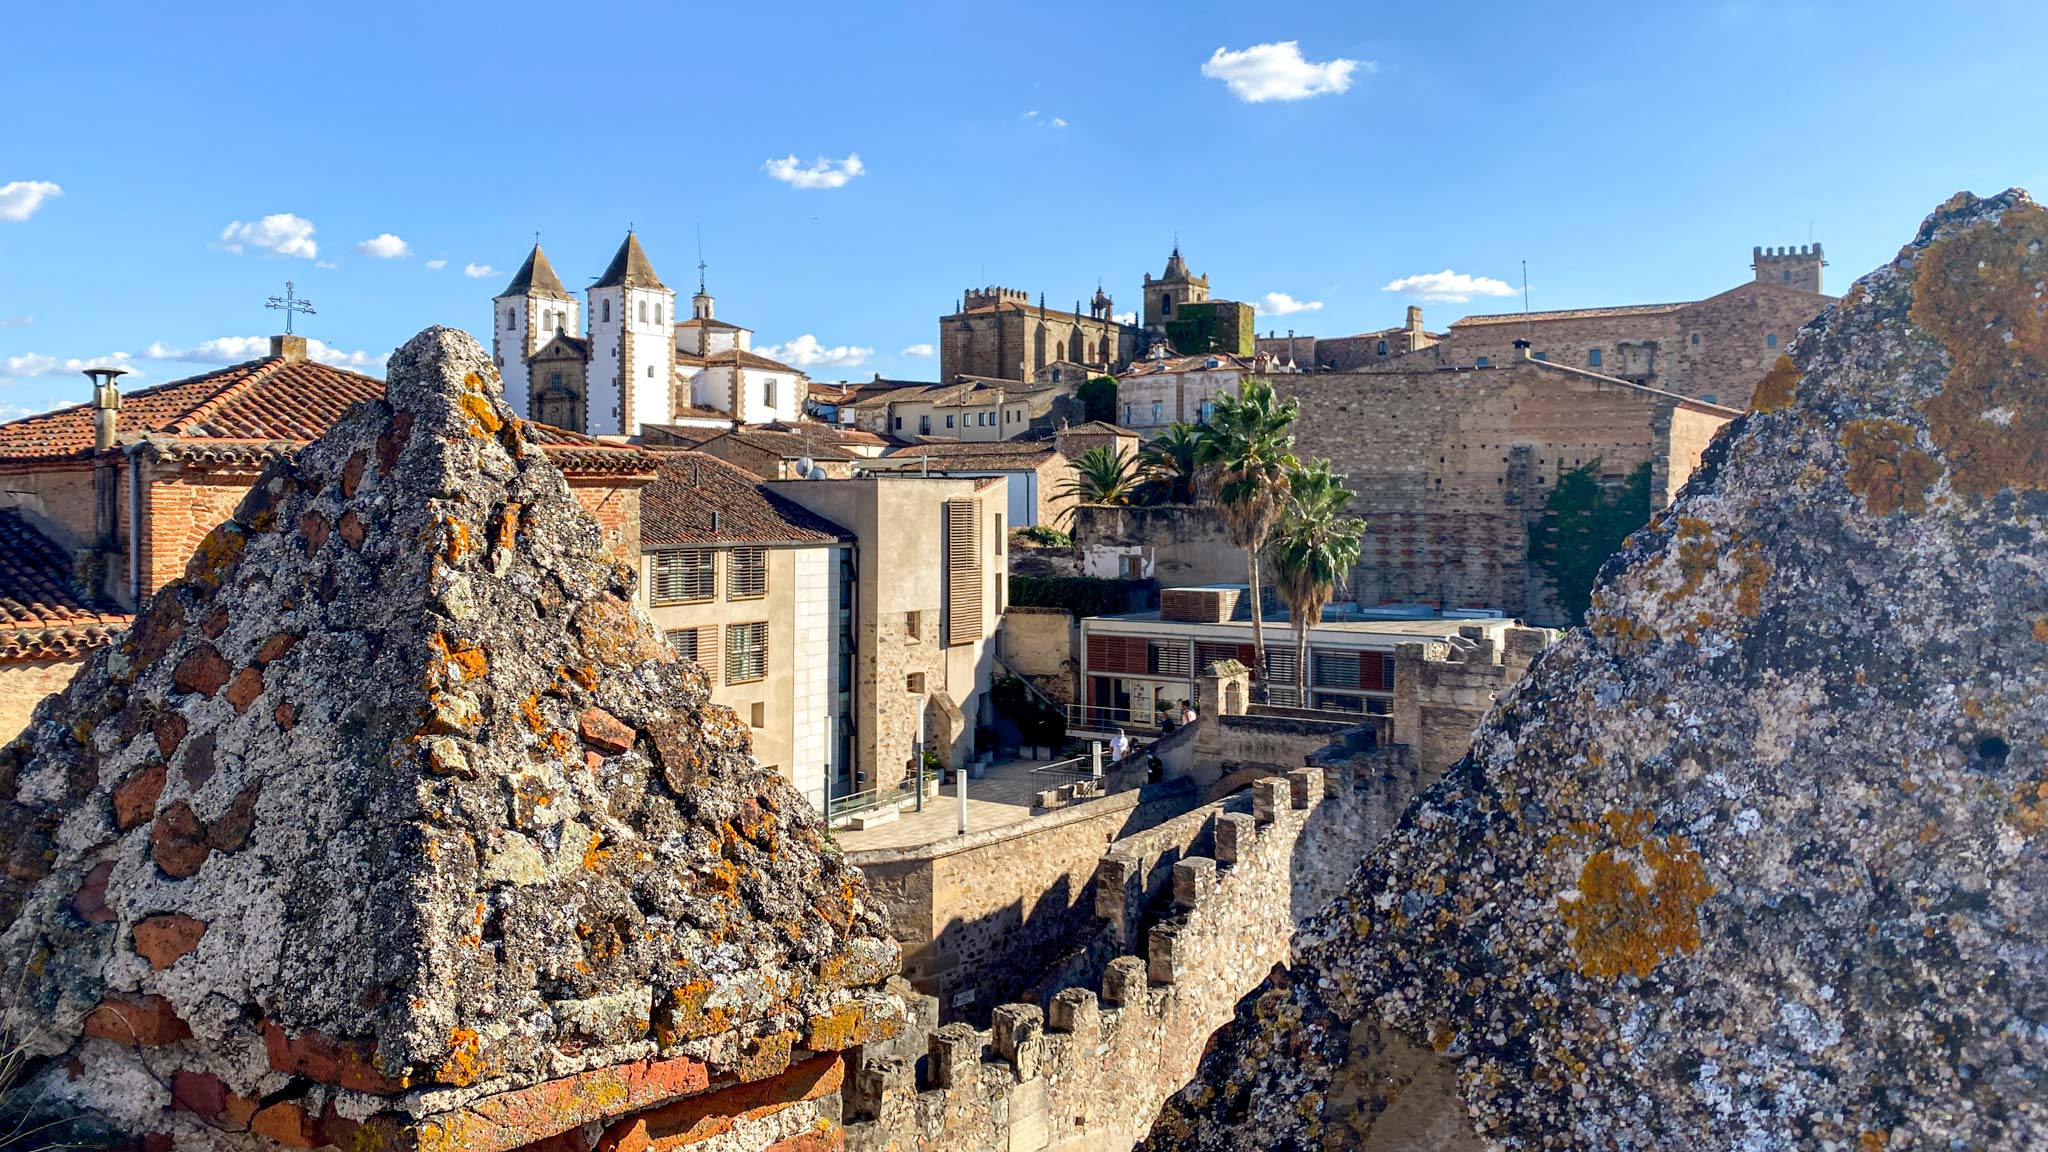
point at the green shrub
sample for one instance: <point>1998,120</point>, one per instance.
<point>1584,522</point>
<point>1046,536</point>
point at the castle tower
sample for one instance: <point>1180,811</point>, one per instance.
<point>632,344</point>
<point>1165,296</point>
<point>531,309</point>
<point>1789,267</point>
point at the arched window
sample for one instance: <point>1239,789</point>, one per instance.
<point>1165,304</point>
<point>643,311</point>
<point>650,371</point>
<point>509,321</point>
<point>607,311</point>
<point>1059,350</point>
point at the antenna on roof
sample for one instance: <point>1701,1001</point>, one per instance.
<point>1527,329</point>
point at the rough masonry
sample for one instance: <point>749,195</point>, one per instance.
<point>1756,860</point>
<point>392,824</point>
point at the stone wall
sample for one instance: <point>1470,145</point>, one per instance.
<point>1207,905</point>
<point>1275,742</point>
<point>1176,544</point>
<point>24,683</point>
<point>980,916</point>
<point>1038,643</point>
<point>1443,690</point>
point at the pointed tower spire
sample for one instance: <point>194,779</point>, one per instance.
<point>630,268</point>
<point>536,277</point>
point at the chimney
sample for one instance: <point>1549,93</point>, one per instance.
<point>106,404</point>
<point>288,347</point>
<point>1522,350</point>
<point>1415,318</point>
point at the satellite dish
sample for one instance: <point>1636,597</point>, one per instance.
<point>804,465</point>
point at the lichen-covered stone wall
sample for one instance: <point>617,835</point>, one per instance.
<point>393,824</point>
<point>1756,860</point>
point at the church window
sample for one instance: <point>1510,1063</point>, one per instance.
<point>607,311</point>
<point>1593,357</point>
<point>1059,351</point>
<point>650,371</point>
<point>1695,339</point>
<point>554,379</point>
<point>1127,414</point>
<point>643,311</point>
<point>1165,304</point>
<point>1771,341</point>
<point>509,322</point>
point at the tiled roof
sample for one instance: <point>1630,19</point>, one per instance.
<point>583,455</point>
<point>677,508</point>
<point>574,346</point>
<point>536,277</point>
<point>1101,428</point>
<point>1196,363</point>
<point>43,613</point>
<point>706,322</point>
<point>789,445</point>
<point>1569,314</point>
<point>261,400</point>
<point>837,433</point>
<point>629,268</point>
<point>746,359</point>
<point>984,456</point>
<point>678,435</point>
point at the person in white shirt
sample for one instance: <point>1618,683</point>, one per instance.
<point>1119,747</point>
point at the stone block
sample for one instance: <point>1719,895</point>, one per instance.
<point>880,1078</point>
<point>1193,880</point>
<point>1049,799</point>
<point>1074,1010</point>
<point>1165,961</point>
<point>1235,834</point>
<point>1017,1033</point>
<point>1124,981</point>
<point>1116,882</point>
<point>955,1056</point>
<point>1307,785</point>
<point>1270,796</point>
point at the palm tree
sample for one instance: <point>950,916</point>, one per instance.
<point>1314,547</point>
<point>1168,460</point>
<point>1246,455</point>
<point>1103,477</point>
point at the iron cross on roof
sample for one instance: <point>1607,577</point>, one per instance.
<point>290,303</point>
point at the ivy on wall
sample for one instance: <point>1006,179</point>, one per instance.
<point>1079,595</point>
<point>1584,522</point>
<point>1098,396</point>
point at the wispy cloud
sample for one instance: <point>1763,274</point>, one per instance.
<point>918,350</point>
<point>19,199</point>
<point>478,271</point>
<point>1278,72</point>
<point>236,349</point>
<point>1281,304</point>
<point>1448,287</point>
<point>436,265</point>
<point>806,352</point>
<point>280,234</point>
<point>384,246</point>
<point>825,172</point>
<point>1032,117</point>
<point>34,364</point>
<point>16,321</point>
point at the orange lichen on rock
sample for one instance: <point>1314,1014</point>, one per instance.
<point>1886,468</point>
<point>1979,293</point>
<point>1637,902</point>
<point>1774,392</point>
<point>221,548</point>
<point>464,1065</point>
<point>458,660</point>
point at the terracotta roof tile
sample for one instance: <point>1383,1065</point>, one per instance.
<point>1567,314</point>
<point>44,614</point>
<point>677,508</point>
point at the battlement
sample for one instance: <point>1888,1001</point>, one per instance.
<point>1093,1065</point>
<point>1442,689</point>
<point>993,295</point>
<point>1796,267</point>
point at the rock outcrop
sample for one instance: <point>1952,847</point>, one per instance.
<point>394,825</point>
<point>1755,860</point>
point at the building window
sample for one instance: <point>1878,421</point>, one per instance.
<point>746,652</point>
<point>509,322</point>
<point>1710,398</point>
<point>996,542</point>
<point>746,573</point>
<point>1157,408</point>
<point>897,423</point>
<point>1168,659</point>
<point>650,371</point>
<point>1771,340</point>
<point>1383,348</point>
<point>1208,410</point>
<point>914,683</point>
<point>924,424</point>
<point>1593,357</point>
<point>1695,339</point>
<point>1485,363</point>
<point>606,308</point>
<point>949,421</point>
<point>554,379</point>
<point>1545,356</point>
<point>685,575</point>
<point>913,625</point>
<point>1165,304</point>
<point>1127,414</point>
<point>768,393</point>
<point>643,311</point>
<point>687,643</point>
<point>964,579</point>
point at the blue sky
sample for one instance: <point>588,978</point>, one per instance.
<point>1629,152</point>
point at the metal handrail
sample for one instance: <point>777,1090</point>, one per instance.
<point>1097,717</point>
<point>852,802</point>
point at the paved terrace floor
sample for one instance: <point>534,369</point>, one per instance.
<point>1003,796</point>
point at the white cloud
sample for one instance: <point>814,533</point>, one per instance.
<point>1277,72</point>
<point>385,246</point>
<point>16,321</point>
<point>280,234</point>
<point>34,364</point>
<point>1033,117</point>
<point>825,172</point>
<point>327,264</point>
<point>436,265</point>
<point>806,352</point>
<point>1281,304</point>
<point>919,350</point>
<point>19,199</point>
<point>478,271</point>
<point>1058,123</point>
<point>1130,317</point>
<point>1448,287</point>
<point>236,349</point>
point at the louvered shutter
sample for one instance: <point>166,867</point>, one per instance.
<point>963,572</point>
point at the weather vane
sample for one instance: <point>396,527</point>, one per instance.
<point>290,303</point>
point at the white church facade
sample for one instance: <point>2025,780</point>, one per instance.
<point>623,360</point>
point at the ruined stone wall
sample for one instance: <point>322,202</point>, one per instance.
<point>1443,690</point>
<point>1038,643</point>
<point>980,916</point>
<point>1177,545</point>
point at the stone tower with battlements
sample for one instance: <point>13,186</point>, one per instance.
<point>1791,267</point>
